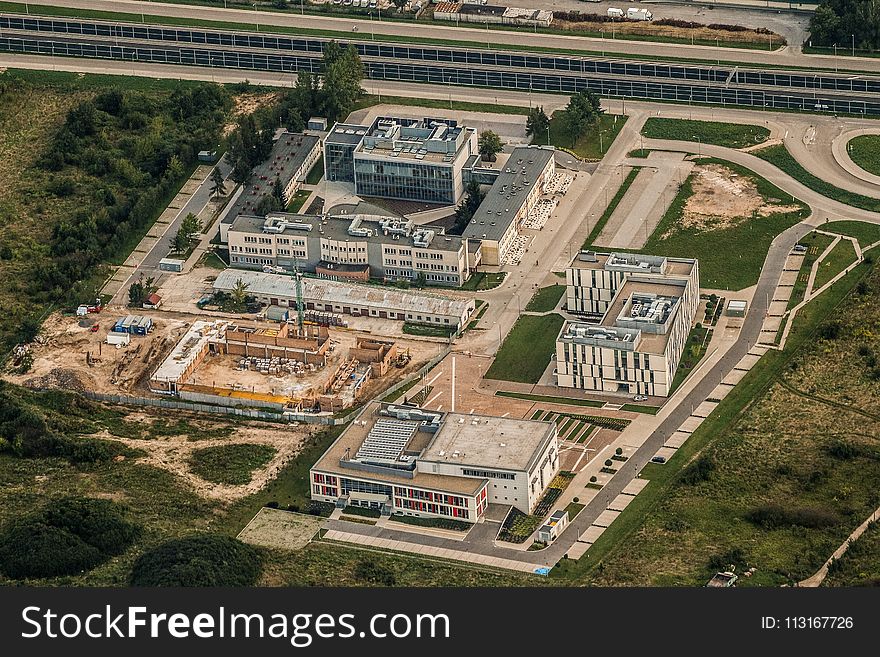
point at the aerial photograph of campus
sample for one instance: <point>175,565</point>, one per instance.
<point>418,293</point>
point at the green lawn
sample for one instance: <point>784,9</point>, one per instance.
<point>527,349</point>
<point>483,281</point>
<point>546,298</point>
<point>729,135</point>
<point>816,244</point>
<point>864,150</point>
<point>672,532</point>
<point>841,256</point>
<point>864,232</point>
<point>779,156</point>
<point>692,355</point>
<point>230,464</point>
<point>316,172</point>
<point>640,408</point>
<point>612,206</point>
<point>590,146</point>
<point>298,200</point>
<point>549,400</point>
<point>213,261</point>
<point>730,258</point>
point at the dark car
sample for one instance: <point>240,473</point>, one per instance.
<point>658,459</point>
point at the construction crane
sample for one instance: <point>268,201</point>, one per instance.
<point>300,313</point>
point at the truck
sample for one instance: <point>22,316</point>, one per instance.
<point>635,14</point>
<point>614,12</point>
<point>118,339</point>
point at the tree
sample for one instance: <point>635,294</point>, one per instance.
<point>191,225</point>
<point>140,290</point>
<point>343,73</point>
<point>489,145</point>
<point>180,241</point>
<point>582,111</point>
<point>239,293</point>
<point>218,185</point>
<point>278,190</point>
<point>202,560</point>
<point>468,207</point>
<point>399,4</point>
<point>537,123</point>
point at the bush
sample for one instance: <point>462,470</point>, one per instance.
<point>371,573</point>
<point>593,479</point>
<point>202,560</point>
<point>840,449</point>
<point>576,500</point>
<point>618,451</point>
<point>698,471</point>
<point>773,516</point>
<point>608,463</point>
<point>830,330</point>
<point>734,557</point>
<point>66,538</point>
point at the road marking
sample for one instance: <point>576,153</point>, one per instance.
<point>439,374</point>
<point>433,399</point>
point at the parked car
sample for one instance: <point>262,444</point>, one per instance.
<point>658,459</point>
<point>640,398</point>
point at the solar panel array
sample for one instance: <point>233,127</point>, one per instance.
<point>387,440</point>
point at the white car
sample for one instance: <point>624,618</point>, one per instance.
<point>640,398</point>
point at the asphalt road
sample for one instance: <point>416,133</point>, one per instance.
<point>265,20</point>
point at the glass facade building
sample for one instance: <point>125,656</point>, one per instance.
<point>405,180</point>
<point>339,162</point>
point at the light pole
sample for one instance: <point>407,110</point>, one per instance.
<point>853,44</point>
<point>548,134</point>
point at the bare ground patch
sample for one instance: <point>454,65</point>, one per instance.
<point>171,453</point>
<point>722,198</point>
<point>273,528</point>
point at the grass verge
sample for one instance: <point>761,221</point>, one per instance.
<point>839,258</point>
<point>526,350</point>
<point>546,299</point>
<point>612,206</point>
<point>593,144</point>
<point>729,135</point>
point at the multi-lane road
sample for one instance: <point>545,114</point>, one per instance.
<point>448,65</point>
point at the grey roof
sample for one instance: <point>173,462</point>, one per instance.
<point>346,133</point>
<point>482,10</point>
<point>336,228</point>
<point>288,153</point>
<point>508,193</point>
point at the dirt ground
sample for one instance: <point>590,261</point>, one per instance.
<point>64,342</point>
<point>721,199</point>
<point>248,103</point>
<point>703,33</point>
<point>274,528</point>
<point>171,453</point>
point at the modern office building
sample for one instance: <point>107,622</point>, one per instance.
<point>637,345</point>
<point>352,247</point>
<point>351,299</point>
<point>516,190</point>
<point>417,462</point>
<point>399,158</point>
<point>292,157</point>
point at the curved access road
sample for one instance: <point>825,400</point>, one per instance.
<point>840,151</point>
<point>471,37</point>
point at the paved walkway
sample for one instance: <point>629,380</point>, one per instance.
<point>819,576</point>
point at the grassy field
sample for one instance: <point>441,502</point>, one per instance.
<point>729,135</point>
<point>526,350</point>
<point>731,257</point>
<point>593,144</point>
<point>860,565</point>
<point>767,445</point>
<point>779,156</point>
<point>816,244</point>
<point>612,206</point>
<point>864,150</point>
<point>428,331</point>
<point>546,298</point>
<point>230,464</point>
<point>841,256</point>
<point>298,200</point>
<point>865,233</point>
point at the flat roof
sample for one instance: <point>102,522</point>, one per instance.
<point>346,133</point>
<point>379,229</point>
<point>343,293</point>
<point>427,140</point>
<point>483,441</point>
<point>652,343</point>
<point>288,153</point>
<point>634,263</point>
<point>508,193</point>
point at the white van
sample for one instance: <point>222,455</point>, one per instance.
<point>614,12</point>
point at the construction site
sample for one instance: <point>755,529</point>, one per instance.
<point>281,366</point>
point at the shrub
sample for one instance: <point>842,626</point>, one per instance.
<point>593,479</point>
<point>697,471</point>
<point>608,463</point>
<point>734,557</point>
<point>576,500</point>
<point>372,573</point>
<point>830,330</point>
<point>773,516</point>
<point>840,449</point>
<point>66,538</point>
<point>618,451</point>
<point>201,560</point>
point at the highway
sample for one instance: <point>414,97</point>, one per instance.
<point>449,66</point>
<point>264,20</point>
